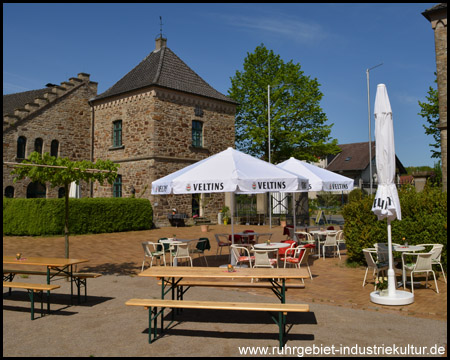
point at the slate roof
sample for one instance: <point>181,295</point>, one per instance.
<point>355,157</point>
<point>165,69</point>
<point>18,100</point>
<point>434,9</point>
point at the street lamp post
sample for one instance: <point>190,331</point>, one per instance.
<point>370,135</point>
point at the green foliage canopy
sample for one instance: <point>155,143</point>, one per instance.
<point>430,111</point>
<point>297,123</point>
<point>61,172</point>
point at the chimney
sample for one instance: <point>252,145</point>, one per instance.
<point>160,42</point>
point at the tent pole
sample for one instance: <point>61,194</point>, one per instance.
<point>233,260</point>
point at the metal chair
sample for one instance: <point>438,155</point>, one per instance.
<point>299,255</point>
<point>436,257</point>
<point>182,252</point>
<point>237,251</point>
<point>263,258</point>
<point>423,264</point>
<point>200,246</point>
<point>153,251</point>
<point>222,241</point>
<point>371,264</point>
<point>330,241</point>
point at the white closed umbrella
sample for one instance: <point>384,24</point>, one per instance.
<point>229,171</point>
<point>387,204</point>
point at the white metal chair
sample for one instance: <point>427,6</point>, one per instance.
<point>436,257</point>
<point>423,264</point>
<point>263,258</point>
<point>340,237</point>
<point>297,256</point>
<point>330,241</point>
<point>182,252</point>
<point>153,251</point>
<point>237,251</point>
<point>371,264</point>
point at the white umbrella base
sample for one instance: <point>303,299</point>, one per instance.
<point>399,298</point>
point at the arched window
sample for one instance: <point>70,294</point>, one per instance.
<point>197,133</point>
<point>54,147</point>
<point>9,192</point>
<point>36,190</point>
<point>61,192</point>
<point>21,147</point>
<point>38,145</point>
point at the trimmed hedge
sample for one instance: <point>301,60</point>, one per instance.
<point>424,221</point>
<point>89,215</point>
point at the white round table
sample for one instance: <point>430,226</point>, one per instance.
<point>271,246</point>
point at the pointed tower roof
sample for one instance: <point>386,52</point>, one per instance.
<point>165,69</point>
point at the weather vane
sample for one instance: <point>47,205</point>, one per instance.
<point>160,26</point>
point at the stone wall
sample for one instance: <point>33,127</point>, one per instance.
<point>157,140</point>
<point>55,116</point>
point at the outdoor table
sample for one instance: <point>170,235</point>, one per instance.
<point>176,274</point>
<point>173,242</point>
<point>245,237</point>
<point>317,234</point>
<point>171,276</point>
<point>177,219</point>
<point>59,265</point>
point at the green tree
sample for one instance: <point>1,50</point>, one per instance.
<point>61,172</point>
<point>297,123</point>
<point>430,111</point>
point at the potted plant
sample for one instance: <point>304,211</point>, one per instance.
<point>226,214</point>
<point>382,285</point>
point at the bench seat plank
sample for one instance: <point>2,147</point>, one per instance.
<point>237,284</point>
<point>218,305</point>
<point>35,287</point>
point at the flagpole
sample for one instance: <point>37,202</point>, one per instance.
<point>370,135</point>
<point>268,114</point>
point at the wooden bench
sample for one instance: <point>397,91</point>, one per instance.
<point>281,309</point>
<point>80,278</point>
<point>32,288</point>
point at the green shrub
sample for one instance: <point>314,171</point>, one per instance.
<point>90,215</point>
<point>424,221</point>
<point>355,195</point>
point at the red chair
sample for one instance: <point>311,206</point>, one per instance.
<point>330,228</point>
<point>237,239</point>
<point>282,251</point>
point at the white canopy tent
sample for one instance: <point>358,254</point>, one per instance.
<point>229,171</point>
<point>319,179</point>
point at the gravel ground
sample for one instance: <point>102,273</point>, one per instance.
<point>104,326</point>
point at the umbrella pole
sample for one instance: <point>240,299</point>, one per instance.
<point>391,273</point>
<point>293,210</point>
<point>233,260</point>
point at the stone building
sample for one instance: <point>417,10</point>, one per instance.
<point>437,16</point>
<point>159,118</point>
<point>44,120</point>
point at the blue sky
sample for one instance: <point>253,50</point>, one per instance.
<point>335,43</point>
